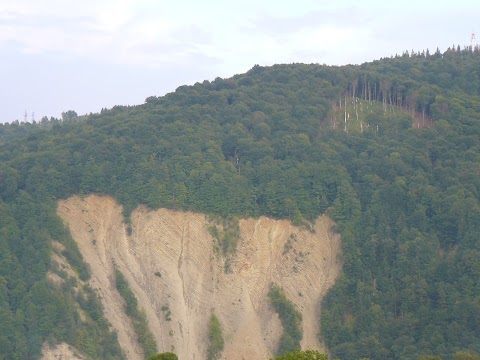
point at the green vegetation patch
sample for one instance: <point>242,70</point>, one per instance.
<point>302,355</point>
<point>215,338</point>
<point>138,317</point>
<point>291,320</point>
<point>226,232</point>
<point>164,356</point>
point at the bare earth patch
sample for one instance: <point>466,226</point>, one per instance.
<point>170,264</point>
<point>60,352</point>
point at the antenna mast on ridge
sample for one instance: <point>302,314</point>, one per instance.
<point>473,42</point>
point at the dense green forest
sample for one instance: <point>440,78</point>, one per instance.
<point>391,149</point>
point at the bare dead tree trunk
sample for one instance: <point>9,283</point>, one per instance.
<point>335,109</point>
<point>356,112</point>
<point>237,160</point>
<point>384,98</point>
<point>365,88</point>
<point>354,90</point>
<point>370,92</point>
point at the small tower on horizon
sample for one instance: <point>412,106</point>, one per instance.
<point>473,42</point>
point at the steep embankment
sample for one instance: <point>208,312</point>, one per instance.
<point>171,265</point>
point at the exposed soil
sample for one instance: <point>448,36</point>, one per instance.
<point>60,352</point>
<point>170,264</point>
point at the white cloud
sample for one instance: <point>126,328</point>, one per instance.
<point>120,32</point>
<point>342,42</point>
<point>113,16</point>
<point>6,15</point>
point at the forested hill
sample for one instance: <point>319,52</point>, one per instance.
<point>390,148</point>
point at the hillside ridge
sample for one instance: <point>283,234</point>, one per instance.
<point>390,148</point>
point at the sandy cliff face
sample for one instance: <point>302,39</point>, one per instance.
<point>170,264</point>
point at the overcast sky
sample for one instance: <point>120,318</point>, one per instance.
<point>59,55</point>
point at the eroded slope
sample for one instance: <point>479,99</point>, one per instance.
<point>60,352</point>
<point>171,265</point>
